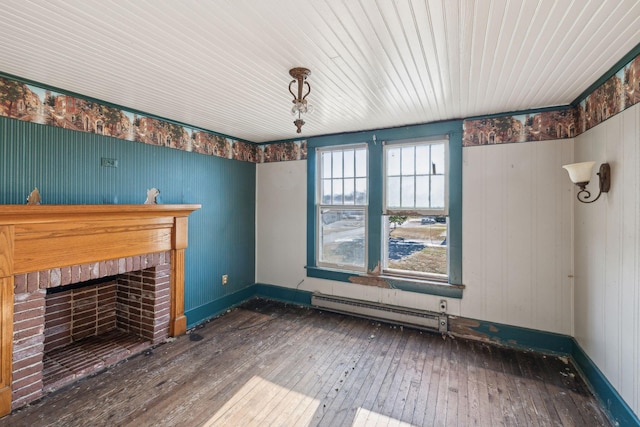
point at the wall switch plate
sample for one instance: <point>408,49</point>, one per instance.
<point>225,279</point>
<point>108,163</point>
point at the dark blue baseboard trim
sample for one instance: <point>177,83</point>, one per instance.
<point>551,343</point>
<point>617,409</point>
<point>219,306</point>
<point>279,293</point>
<point>512,336</point>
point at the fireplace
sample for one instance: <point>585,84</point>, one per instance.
<point>83,287</point>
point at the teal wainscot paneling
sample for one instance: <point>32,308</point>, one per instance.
<point>67,168</point>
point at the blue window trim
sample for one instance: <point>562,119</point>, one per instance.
<point>374,140</point>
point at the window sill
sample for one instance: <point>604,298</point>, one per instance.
<point>408,284</point>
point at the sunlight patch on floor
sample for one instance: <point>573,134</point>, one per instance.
<point>366,418</point>
<point>252,405</point>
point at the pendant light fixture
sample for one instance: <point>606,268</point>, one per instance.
<point>300,104</point>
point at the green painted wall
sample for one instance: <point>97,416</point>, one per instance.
<point>65,166</point>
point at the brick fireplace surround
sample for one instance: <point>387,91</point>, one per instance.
<point>83,286</point>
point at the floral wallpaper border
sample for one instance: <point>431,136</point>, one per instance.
<point>31,103</point>
<point>619,92</point>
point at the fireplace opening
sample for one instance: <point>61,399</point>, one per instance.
<point>93,324</point>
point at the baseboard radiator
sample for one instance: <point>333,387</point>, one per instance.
<point>388,313</point>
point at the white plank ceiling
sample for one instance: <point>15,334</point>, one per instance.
<point>223,65</point>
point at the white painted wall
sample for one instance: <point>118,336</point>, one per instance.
<point>282,247</point>
<point>607,256</point>
<point>516,237</point>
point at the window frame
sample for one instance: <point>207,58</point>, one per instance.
<point>414,211</point>
<point>453,129</point>
<point>414,143</point>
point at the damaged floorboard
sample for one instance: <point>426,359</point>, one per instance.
<point>267,363</point>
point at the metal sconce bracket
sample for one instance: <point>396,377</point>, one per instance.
<point>604,181</point>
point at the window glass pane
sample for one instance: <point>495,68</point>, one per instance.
<point>422,191</point>
<point>408,192</point>
<point>437,159</point>
<point>349,170</point>
<point>418,164</point>
<point>349,191</point>
<point>393,191</point>
<point>423,164</point>
<point>393,161</point>
<point>361,162</point>
<point>408,160</point>
<point>337,164</point>
<point>342,237</point>
<point>361,191</point>
<point>325,197</point>
<point>326,165</point>
<point>337,192</point>
<point>417,245</point>
<point>437,191</point>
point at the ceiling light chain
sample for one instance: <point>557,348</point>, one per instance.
<point>300,104</point>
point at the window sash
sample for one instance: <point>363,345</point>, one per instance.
<point>407,176</point>
<point>341,199</point>
<point>428,275</point>
<point>344,247</point>
<point>343,176</point>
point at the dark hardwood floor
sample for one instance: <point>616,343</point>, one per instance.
<point>270,364</point>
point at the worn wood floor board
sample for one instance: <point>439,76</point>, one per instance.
<point>430,350</point>
<point>392,382</point>
<point>257,384</point>
<point>269,364</point>
<point>295,372</point>
<point>256,343</point>
<point>525,397</point>
<point>317,355</point>
<point>545,411</point>
<point>342,367</point>
<point>347,384</point>
<point>435,377</point>
<point>295,403</point>
<point>405,404</point>
<point>394,405</point>
<point>377,389</point>
<point>365,375</point>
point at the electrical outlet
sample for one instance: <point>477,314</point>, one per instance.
<point>225,279</point>
<point>443,305</point>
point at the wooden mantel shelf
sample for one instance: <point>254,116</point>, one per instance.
<point>52,236</point>
<point>41,237</point>
<point>16,214</point>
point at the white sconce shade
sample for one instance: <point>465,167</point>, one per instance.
<point>580,172</point>
<point>580,175</point>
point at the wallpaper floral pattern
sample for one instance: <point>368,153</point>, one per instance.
<point>31,103</point>
<point>620,91</point>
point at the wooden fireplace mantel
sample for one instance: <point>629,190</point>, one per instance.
<point>41,237</point>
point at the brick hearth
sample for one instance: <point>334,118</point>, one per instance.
<point>43,247</point>
<point>75,331</point>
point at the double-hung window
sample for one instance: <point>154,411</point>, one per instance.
<point>342,207</point>
<point>415,209</point>
<point>385,207</point>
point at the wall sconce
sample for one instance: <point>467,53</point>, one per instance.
<point>580,175</point>
<point>300,104</point>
